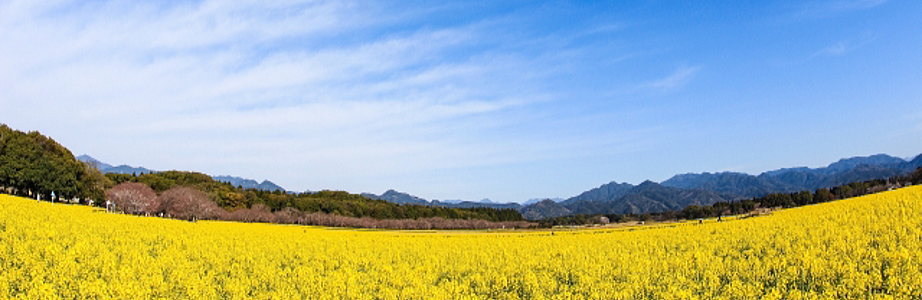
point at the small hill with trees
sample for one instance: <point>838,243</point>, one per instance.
<point>34,165</point>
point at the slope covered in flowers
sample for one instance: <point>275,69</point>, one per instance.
<point>869,246</point>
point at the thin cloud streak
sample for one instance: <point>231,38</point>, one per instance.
<point>678,78</point>
<point>842,47</point>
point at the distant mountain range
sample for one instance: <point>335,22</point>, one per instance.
<point>623,198</point>
<point>675,193</point>
<point>107,168</point>
<point>404,198</point>
<point>249,183</point>
<point>683,190</point>
<point>126,169</point>
<point>707,188</point>
<point>797,179</point>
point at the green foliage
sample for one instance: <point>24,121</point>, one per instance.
<point>32,164</point>
<point>331,202</point>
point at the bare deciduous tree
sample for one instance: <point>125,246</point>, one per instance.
<point>133,198</point>
<point>288,215</point>
<point>258,213</point>
<point>189,204</point>
<point>324,219</point>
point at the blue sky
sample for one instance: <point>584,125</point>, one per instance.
<point>505,100</point>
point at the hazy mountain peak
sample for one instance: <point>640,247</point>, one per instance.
<point>247,183</point>
<point>536,200</point>
<point>93,162</point>
<point>916,162</point>
<point>394,196</point>
<point>107,168</point>
<point>647,183</point>
<point>873,160</point>
<point>785,170</point>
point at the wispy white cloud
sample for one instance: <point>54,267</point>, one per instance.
<point>276,90</point>
<point>678,78</point>
<point>843,47</point>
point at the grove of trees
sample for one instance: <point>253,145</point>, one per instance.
<point>330,202</point>
<point>134,198</point>
<point>33,165</point>
<point>189,204</point>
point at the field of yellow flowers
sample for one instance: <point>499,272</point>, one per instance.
<point>866,247</point>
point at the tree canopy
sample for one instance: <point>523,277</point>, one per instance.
<point>32,164</point>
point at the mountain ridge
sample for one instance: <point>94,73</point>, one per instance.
<point>674,193</point>
<point>108,168</point>
<point>394,196</point>
<point>246,183</point>
<point>795,179</point>
<point>706,188</point>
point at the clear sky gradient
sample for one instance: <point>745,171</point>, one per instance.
<point>508,100</point>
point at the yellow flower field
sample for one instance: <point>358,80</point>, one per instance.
<point>866,247</point>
